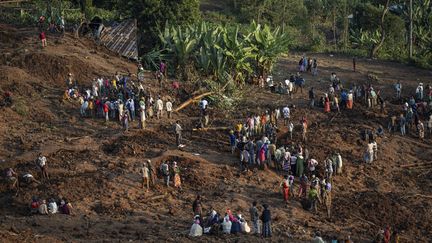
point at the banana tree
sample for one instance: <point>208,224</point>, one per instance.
<point>366,39</point>
<point>181,43</point>
<point>267,46</point>
<point>239,53</point>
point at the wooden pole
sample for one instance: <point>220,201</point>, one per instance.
<point>191,100</point>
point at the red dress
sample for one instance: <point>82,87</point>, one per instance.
<point>326,105</point>
<point>285,190</point>
<point>42,36</point>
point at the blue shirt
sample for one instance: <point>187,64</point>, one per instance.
<point>232,139</point>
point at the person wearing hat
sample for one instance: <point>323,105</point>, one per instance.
<point>419,92</point>
<point>145,173</point>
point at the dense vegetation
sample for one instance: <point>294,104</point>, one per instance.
<point>373,28</point>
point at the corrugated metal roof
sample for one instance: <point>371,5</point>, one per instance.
<point>122,38</point>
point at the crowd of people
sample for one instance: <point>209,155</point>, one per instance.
<point>255,139</point>
<point>41,206</point>
<point>230,223</point>
<point>37,205</point>
<point>418,108</point>
<point>120,98</point>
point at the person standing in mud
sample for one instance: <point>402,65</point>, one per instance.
<point>145,173</point>
<point>311,98</point>
<point>304,129</point>
<point>178,132</point>
<point>142,113</point>
<point>169,105</point>
<point>151,173</point>
<point>420,129</point>
<point>303,186</point>
<point>398,88</point>
<point>285,189</point>
<point>159,108</point>
<point>313,198</point>
<point>197,207</point>
<point>266,219</point>
<point>42,37</point>
<point>254,217</point>
<point>125,120</point>
<point>176,175</point>
<point>41,163</point>
<point>164,168</point>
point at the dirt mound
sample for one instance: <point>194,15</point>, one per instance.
<point>142,143</point>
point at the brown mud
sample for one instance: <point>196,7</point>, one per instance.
<point>96,165</point>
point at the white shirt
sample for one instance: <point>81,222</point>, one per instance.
<point>168,106</point>
<point>286,112</point>
<point>312,164</point>
<point>370,147</point>
<point>42,161</point>
<point>203,104</point>
<point>277,111</point>
<point>159,104</point>
<point>52,208</point>
<point>291,127</point>
<point>290,86</point>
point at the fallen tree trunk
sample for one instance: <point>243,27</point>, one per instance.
<point>418,195</point>
<point>210,128</point>
<point>191,100</point>
<point>157,197</point>
<point>417,165</point>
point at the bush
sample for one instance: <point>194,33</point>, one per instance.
<point>422,62</point>
<point>20,107</point>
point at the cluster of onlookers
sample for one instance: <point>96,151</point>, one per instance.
<point>41,206</point>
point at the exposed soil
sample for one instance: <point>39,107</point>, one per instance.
<point>95,165</point>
